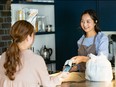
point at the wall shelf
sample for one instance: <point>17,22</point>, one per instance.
<point>25,2</point>
<point>50,61</point>
<point>43,16</point>
<point>42,33</point>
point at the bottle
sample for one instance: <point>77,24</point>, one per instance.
<point>20,15</point>
<point>48,28</point>
<point>36,25</point>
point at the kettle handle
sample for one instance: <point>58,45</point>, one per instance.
<point>50,51</point>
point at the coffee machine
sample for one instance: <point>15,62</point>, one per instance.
<point>112,48</point>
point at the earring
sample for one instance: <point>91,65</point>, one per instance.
<point>96,21</point>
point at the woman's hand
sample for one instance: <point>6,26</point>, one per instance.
<point>79,59</point>
<point>63,75</point>
<point>76,59</point>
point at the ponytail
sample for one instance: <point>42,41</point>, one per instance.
<point>12,60</point>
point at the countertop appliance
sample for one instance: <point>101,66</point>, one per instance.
<point>45,52</point>
<point>112,48</point>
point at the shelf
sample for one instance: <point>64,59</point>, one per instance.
<point>42,33</point>
<point>50,61</point>
<point>25,2</point>
<point>22,9</point>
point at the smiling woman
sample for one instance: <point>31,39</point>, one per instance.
<point>93,41</point>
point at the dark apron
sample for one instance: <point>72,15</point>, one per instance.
<point>84,51</point>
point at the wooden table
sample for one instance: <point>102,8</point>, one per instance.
<point>77,80</point>
<point>87,84</point>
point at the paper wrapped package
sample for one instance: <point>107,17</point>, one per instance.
<point>98,68</point>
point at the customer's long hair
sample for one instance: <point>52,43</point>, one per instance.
<point>19,32</point>
<point>94,17</point>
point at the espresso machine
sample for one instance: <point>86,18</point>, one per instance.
<point>112,48</point>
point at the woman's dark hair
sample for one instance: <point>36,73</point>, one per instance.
<point>19,32</point>
<point>93,15</point>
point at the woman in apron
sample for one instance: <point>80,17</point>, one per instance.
<point>93,41</point>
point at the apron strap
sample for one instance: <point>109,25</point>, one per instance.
<point>94,39</point>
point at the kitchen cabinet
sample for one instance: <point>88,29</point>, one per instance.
<point>41,15</point>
